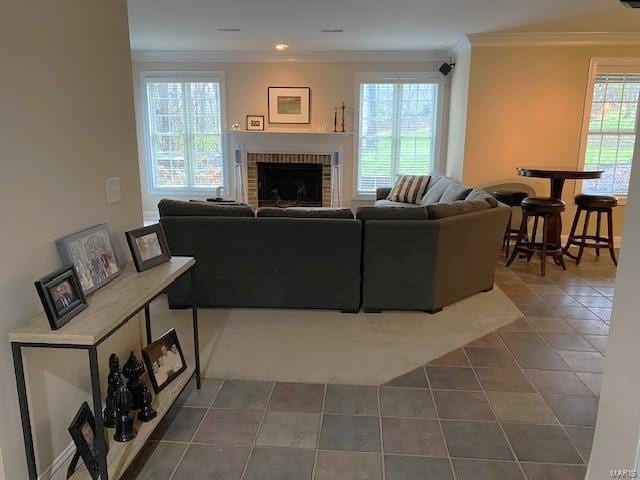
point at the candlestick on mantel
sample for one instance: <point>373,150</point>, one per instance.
<point>343,107</point>
<point>335,119</point>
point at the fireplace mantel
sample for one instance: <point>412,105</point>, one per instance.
<point>241,143</point>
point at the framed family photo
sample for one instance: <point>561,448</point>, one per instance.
<point>83,433</point>
<point>289,104</point>
<point>164,360</point>
<point>255,122</point>
<point>148,247</point>
<point>92,254</point>
<point>61,295</point>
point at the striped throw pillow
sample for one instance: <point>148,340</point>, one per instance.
<point>409,188</point>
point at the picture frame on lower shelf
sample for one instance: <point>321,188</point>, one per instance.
<point>61,295</point>
<point>164,360</point>
<point>83,433</point>
<point>148,247</point>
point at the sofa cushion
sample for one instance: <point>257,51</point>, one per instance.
<point>454,192</point>
<point>477,194</point>
<point>437,185</point>
<point>389,203</point>
<point>298,212</point>
<point>409,188</point>
<point>178,208</point>
<point>452,209</point>
<point>391,213</point>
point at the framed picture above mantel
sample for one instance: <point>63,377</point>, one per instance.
<point>289,105</point>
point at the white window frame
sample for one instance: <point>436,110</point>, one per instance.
<point>597,64</point>
<point>399,77</point>
<point>181,76</point>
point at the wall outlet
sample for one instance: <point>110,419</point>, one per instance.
<point>113,190</point>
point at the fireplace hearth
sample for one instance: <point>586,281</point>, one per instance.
<point>289,184</point>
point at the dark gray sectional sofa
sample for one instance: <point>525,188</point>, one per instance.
<point>388,257</point>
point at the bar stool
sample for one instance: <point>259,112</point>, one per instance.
<point>589,204</point>
<point>549,210</point>
<point>513,198</point>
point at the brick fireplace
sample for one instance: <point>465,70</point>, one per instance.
<point>289,179</point>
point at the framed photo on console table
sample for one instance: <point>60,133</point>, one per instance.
<point>289,104</point>
<point>164,360</point>
<point>61,295</point>
<point>92,254</point>
<point>83,433</point>
<point>148,247</point>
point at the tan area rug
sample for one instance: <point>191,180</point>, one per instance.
<point>319,346</point>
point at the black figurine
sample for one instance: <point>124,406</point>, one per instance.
<point>124,416</point>
<point>146,412</point>
<point>133,370</point>
<point>113,382</point>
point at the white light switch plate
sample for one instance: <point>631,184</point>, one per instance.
<point>113,190</point>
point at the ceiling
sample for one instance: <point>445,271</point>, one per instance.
<point>369,25</point>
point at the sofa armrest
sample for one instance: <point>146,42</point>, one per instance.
<point>382,193</point>
<point>467,252</point>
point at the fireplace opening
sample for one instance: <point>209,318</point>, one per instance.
<point>289,184</point>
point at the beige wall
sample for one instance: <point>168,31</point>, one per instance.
<point>525,108</point>
<point>246,94</point>
<point>66,124</point>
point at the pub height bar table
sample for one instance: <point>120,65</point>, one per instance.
<point>557,178</point>
<point>110,308</point>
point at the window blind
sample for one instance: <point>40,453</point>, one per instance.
<point>397,132</point>
<point>612,132</point>
<point>185,135</point>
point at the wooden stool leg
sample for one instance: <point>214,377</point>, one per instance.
<point>534,234</point>
<point>610,233</point>
<point>521,235</point>
<point>584,234</point>
<point>598,222</point>
<point>572,233</point>
<point>543,254</point>
<point>507,236</point>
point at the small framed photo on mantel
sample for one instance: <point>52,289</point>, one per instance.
<point>255,122</point>
<point>289,104</point>
<point>148,247</point>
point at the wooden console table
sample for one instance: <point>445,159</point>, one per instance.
<point>110,308</point>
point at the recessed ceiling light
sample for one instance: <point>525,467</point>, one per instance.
<point>332,30</point>
<point>282,46</point>
<point>229,29</point>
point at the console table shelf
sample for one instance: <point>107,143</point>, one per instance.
<point>122,454</point>
<point>109,309</point>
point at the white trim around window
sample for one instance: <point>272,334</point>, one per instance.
<point>602,65</point>
<point>146,77</point>
<point>399,78</point>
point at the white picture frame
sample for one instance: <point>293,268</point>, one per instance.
<point>289,105</point>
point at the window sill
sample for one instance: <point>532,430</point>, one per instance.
<point>182,193</point>
<point>364,196</point>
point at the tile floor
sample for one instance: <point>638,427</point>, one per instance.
<point>517,404</point>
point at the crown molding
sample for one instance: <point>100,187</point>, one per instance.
<point>553,39</point>
<point>462,46</point>
<point>269,56</point>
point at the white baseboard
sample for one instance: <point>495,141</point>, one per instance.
<point>58,462</point>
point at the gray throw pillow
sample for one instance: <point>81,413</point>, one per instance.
<point>437,185</point>
<point>391,213</point>
<point>300,212</point>
<point>461,207</point>
<point>455,192</point>
<point>178,208</point>
<point>477,194</point>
